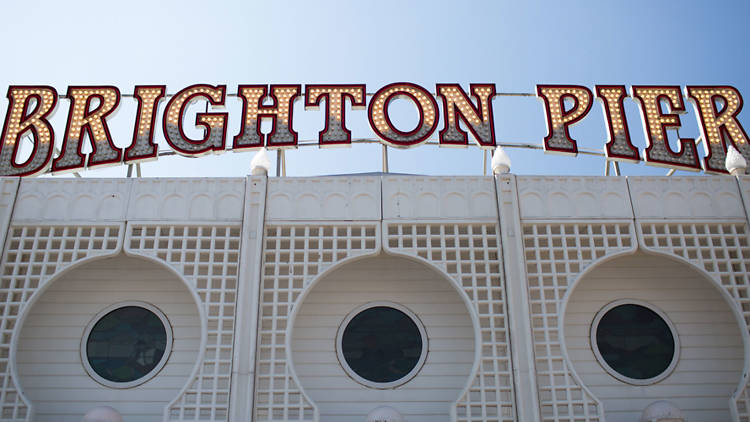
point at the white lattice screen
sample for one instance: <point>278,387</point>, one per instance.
<point>32,255</point>
<point>556,253</point>
<point>293,255</point>
<point>723,250</point>
<point>470,253</point>
<point>207,256</point>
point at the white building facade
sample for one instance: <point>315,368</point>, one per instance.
<point>509,285</point>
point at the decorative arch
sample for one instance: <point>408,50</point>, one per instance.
<point>655,252</point>
<point>199,303</point>
<point>295,310</point>
<point>37,255</point>
<point>560,254</point>
<point>721,252</point>
<point>468,253</point>
<point>730,300</point>
<point>294,255</point>
<point>374,253</point>
<point>34,255</point>
<point>563,308</point>
<point>556,254</point>
<point>206,257</point>
<point>470,307</point>
<point>51,281</point>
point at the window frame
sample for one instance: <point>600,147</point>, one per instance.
<point>151,374</point>
<point>614,373</point>
<point>381,385</point>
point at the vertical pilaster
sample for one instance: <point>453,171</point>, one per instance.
<point>241,399</point>
<point>524,372</point>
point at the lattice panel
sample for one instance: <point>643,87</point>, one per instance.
<point>470,253</point>
<point>293,255</point>
<point>555,255</point>
<point>723,250</point>
<point>208,256</point>
<point>33,254</point>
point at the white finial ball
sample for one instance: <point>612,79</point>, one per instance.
<point>260,164</point>
<point>500,162</point>
<point>102,414</point>
<point>735,162</point>
<point>662,410</point>
<point>384,414</point>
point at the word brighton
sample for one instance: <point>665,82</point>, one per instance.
<point>462,113</point>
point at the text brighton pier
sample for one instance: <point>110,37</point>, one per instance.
<point>30,107</point>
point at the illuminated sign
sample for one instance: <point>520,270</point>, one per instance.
<point>463,114</point>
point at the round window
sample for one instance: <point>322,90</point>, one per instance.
<point>381,345</point>
<point>126,344</point>
<point>635,342</point>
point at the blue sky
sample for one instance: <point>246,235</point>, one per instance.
<point>513,44</point>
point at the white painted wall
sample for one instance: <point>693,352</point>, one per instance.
<point>428,294</point>
<point>49,363</point>
<point>711,357</point>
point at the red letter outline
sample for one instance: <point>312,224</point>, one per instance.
<point>549,146</point>
<point>313,103</point>
<point>458,115</point>
<point>131,154</point>
<point>266,140</point>
<point>201,119</point>
<point>42,167</point>
<point>709,160</point>
<point>86,161</point>
<point>619,148</point>
<point>395,90</point>
<point>687,158</point>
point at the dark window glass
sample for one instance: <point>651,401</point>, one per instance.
<point>635,341</point>
<point>126,344</point>
<point>381,344</point>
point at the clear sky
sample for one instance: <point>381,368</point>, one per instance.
<point>514,44</point>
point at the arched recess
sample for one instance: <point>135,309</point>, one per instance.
<point>88,286</point>
<point>468,252</point>
<point>206,255</point>
<point>293,255</point>
<point>34,254</point>
<point>720,250</point>
<point>293,317</point>
<point>665,282</point>
<point>410,281</point>
<point>556,253</point>
<point>202,319</point>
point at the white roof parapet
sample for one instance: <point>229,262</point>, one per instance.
<point>685,197</point>
<point>735,162</point>
<point>437,197</point>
